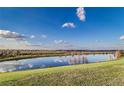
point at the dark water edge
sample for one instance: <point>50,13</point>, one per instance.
<point>24,57</point>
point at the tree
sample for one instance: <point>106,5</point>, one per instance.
<point>117,54</point>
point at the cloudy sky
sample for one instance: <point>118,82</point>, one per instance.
<point>62,28</point>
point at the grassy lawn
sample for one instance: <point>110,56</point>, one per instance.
<point>104,73</point>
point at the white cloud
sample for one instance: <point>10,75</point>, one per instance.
<point>81,13</point>
<point>59,41</point>
<point>122,37</point>
<point>11,35</point>
<point>61,44</point>
<point>43,36</point>
<point>68,25</point>
<point>32,36</point>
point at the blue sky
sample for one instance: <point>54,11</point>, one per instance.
<point>62,28</point>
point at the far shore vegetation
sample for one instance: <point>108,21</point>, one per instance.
<point>7,55</point>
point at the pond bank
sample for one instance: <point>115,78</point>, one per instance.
<point>24,57</point>
<point>46,62</point>
<point>105,73</point>
<point>29,57</point>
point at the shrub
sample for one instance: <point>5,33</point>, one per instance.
<point>117,54</point>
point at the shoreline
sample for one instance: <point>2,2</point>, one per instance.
<point>23,57</point>
<point>16,58</point>
<point>27,57</point>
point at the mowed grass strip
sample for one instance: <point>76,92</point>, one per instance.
<point>95,74</point>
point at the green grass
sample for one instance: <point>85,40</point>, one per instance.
<point>104,73</point>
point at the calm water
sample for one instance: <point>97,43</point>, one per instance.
<point>44,62</point>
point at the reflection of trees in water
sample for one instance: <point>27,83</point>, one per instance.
<point>81,59</point>
<point>111,57</point>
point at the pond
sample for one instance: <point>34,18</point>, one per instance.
<point>45,62</point>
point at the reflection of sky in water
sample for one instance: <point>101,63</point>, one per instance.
<point>50,62</point>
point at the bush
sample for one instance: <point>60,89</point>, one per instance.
<point>117,54</point>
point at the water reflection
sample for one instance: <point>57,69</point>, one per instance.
<point>52,61</point>
<point>8,67</point>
